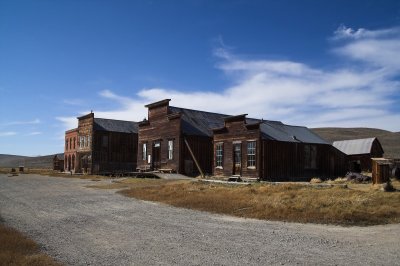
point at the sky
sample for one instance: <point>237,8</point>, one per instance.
<point>309,63</point>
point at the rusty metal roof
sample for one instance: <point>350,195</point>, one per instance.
<point>275,130</point>
<point>115,125</point>
<point>354,146</point>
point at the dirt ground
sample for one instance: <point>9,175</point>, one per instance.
<point>79,225</point>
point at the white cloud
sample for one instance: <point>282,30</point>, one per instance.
<point>76,102</point>
<point>358,95</point>
<point>7,134</point>
<point>35,133</point>
<point>344,32</point>
<point>31,122</point>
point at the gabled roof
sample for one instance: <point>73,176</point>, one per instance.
<point>59,156</point>
<point>354,146</point>
<point>103,124</point>
<point>199,123</point>
<point>275,130</point>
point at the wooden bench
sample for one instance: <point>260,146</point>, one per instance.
<point>166,170</point>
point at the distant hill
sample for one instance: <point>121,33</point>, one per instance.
<point>390,140</point>
<point>30,162</point>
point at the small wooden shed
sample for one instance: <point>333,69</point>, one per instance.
<point>380,170</point>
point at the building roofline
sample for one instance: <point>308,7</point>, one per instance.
<point>71,130</point>
<point>159,103</point>
<point>91,114</point>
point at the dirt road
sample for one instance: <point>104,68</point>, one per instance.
<point>85,226</point>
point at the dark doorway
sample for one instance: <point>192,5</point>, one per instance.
<point>356,166</point>
<point>156,155</point>
<point>237,158</point>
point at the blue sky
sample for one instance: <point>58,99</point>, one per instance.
<point>312,63</point>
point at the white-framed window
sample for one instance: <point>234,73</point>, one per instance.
<point>80,142</point>
<point>251,154</point>
<point>144,151</point>
<point>219,155</point>
<point>310,156</point>
<point>170,149</point>
<point>88,141</point>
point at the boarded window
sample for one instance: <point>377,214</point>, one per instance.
<point>310,156</point>
<point>170,149</point>
<point>74,142</point>
<point>104,141</point>
<point>144,151</point>
<point>251,154</point>
<point>66,144</point>
<point>219,151</point>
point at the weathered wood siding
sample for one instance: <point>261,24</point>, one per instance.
<point>119,154</point>
<point>285,161</point>
<point>236,131</point>
<point>202,148</point>
<point>160,127</point>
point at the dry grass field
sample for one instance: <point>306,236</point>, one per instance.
<point>358,204</point>
<point>16,249</point>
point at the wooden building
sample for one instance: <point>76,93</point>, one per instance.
<point>177,139</point>
<point>271,150</point>
<point>380,170</point>
<point>359,152</point>
<point>105,146</point>
<point>58,162</point>
<point>70,149</point>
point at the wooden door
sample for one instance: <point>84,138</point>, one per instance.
<point>156,155</point>
<point>237,158</point>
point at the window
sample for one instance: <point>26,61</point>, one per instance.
<point>219,151</point>
<point>70,143</point>
<point>310,156</point>
<point>88,141</point>
<point>66,144</point>
<point>104,142</point>
<point>144,151</point>
<point>74,142</point>
<point>170,149</point>
<point>251,154</point>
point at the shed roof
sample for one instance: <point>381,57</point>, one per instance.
<point>199,123</point>
<point>354,146</point>
<point>59,156</point>
<point>275,130</point>
<point>115,125</point>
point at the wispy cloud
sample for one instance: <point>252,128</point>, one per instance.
<point>7,134</point>
<point>34,133</point>
<point>13,123</point>
<point>75,102</point>
<point>360,94</point>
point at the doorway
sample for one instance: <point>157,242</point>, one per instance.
<point>156,155</point>
<point>237,158</point>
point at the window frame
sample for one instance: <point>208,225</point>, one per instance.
<point>251,157</point>
<point>219,155</point>
<point>144,151</point>
<point>170,148</point>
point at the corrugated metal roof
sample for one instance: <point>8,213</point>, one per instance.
<point>115,125</point>
<point>275,130</point>
<point>354,146</point>
<point>199,123</point>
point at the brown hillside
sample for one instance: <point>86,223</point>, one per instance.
<point>30,162</point>
<point>390,140</point>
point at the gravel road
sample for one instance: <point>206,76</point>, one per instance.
<point>84,226</point>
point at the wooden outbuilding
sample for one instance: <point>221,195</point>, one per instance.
<point>359,152</point>
<point>273,151</point>
<point>177,140</point>
<point>380,170</point>
<point>58,162</point>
